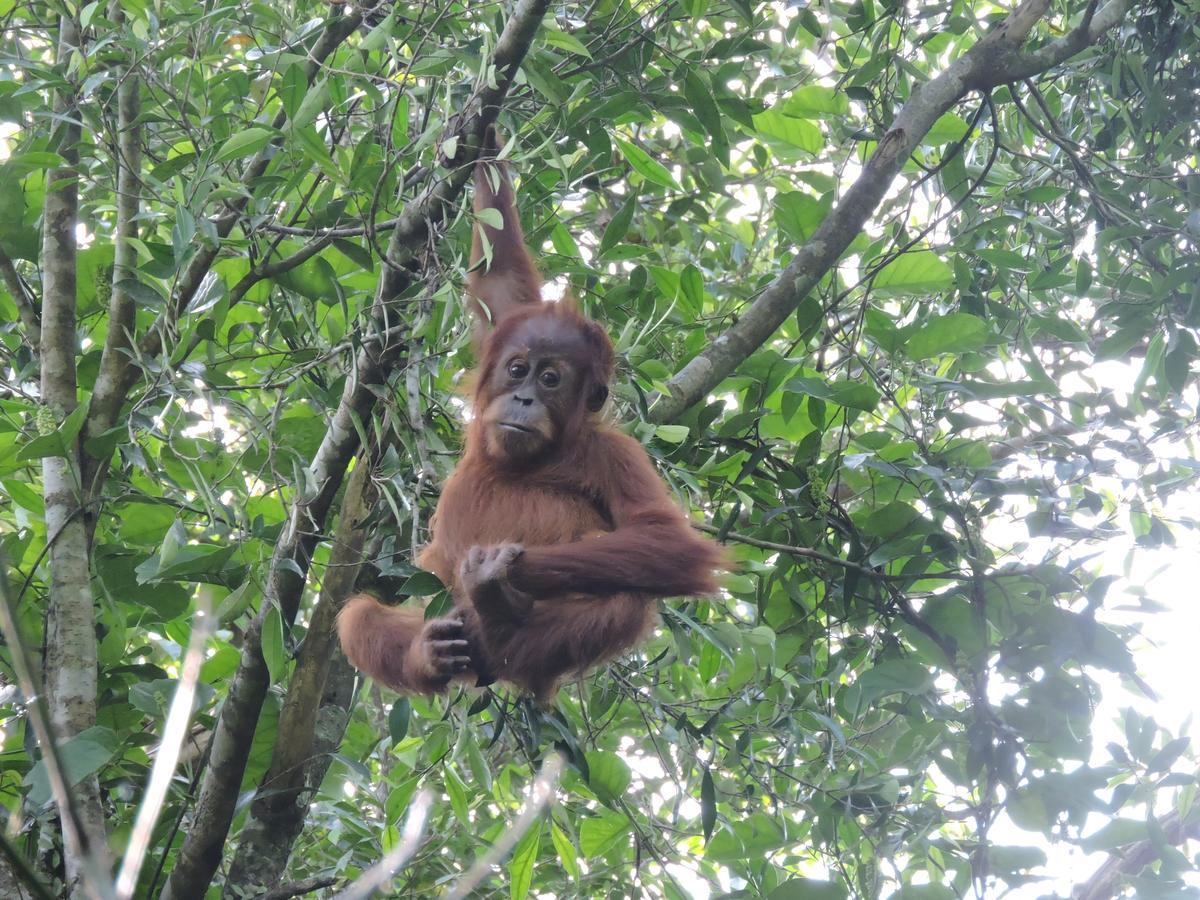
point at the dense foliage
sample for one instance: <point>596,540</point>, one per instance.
<point>915,471</point>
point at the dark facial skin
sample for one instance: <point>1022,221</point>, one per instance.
<point>537,386</point>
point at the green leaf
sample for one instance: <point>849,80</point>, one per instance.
<point>457,792</point>
<point>293,86</point>
<point>894,676</point>
<point>798,214</point>
<point>797,132</point>
<point>420,584</point>
<point>82,755</point>
<point>398,719</point>
<point>61,441</point>
<point>567,854</point>
<point>949,128</point>
<point>955,333</point>
<point>25,497</point>
<point>699,97</point>
<point>314,148</point>
<point>708,804</point>
<point>1061,328</point>
<point>851,394</point>
<point>1177,363</point>
<point>235,603</point>
<point>599,834</point>
<point>650,169</point>
<point>618,227</point>
<point>563,243</point>
<point>672,434</point>
<point>377,38</point>
<point>33,161</point>
<point>272,643</point>
<point>890,519</point>
<point>808,889</point>
<point>565,41</point>
<point>816,100</point>
<point>314,102</point>
<point>915,272</point>
<point>608,775</point>
<point>520,867</point>
<point>243,143</point>
<point>691,285</point>
<point>491,216</point>
<point>1116,833</point>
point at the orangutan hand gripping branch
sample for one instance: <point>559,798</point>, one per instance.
<point>555,533</point>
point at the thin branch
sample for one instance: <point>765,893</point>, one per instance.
<point>298,888</point>
<point>805,552</point>
<point>1093,27</point>
<point>23,296</point>
<point>993,60</point>
<point>410,840</point>
<point>71,667</point>
<point>279,809</point>
<point>175,734</point>
<point>540,797</point>
<point>413,177</point>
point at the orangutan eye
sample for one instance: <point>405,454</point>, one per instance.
<point>550,378</point>
<point>518,368</point>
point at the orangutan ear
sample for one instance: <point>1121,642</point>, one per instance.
<point>503,277</point>
<point>596,397</point>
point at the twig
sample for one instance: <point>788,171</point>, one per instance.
<point>539,798</point>
<point>298,888</point>
<point>175,733</point>
<point>410,839</point>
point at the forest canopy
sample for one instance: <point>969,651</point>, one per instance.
<point>905,301</point>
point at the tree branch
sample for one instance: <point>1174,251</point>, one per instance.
<point>1095,25</point>
<point>1108,879</point>
<point>298,888</point>
<point>107,396</point>
<point>994,60</point>
<point>23,298</point>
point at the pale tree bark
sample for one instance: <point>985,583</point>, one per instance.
<point>996,59</point>
<point>71,651</point>
<point>278,813</point>
<point>200,855</point>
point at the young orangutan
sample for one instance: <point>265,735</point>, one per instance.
<point>554,533</point>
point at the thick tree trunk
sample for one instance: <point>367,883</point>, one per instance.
<point>71,652</point>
